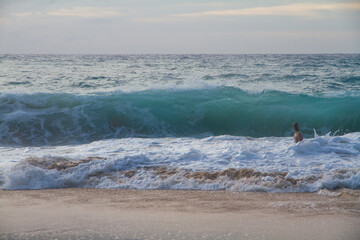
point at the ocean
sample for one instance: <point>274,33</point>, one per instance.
<point>194,122</point>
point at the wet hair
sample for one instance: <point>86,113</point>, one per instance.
<point>296,126</point>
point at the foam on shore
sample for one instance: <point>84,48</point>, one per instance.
<point>214,163</point>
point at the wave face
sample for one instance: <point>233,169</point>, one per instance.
<point>44,118</point>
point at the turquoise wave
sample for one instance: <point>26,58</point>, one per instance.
<point>44,118</point>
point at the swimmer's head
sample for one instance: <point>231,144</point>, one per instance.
<point>296,126</point>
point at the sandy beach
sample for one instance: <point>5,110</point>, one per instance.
<point>165,214</point>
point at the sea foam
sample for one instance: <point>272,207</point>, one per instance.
<point>213,163</point>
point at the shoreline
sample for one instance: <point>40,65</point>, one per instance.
<point>178,214</point>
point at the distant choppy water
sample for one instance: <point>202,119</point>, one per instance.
<point>205,122</point>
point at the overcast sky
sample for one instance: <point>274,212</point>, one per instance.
<point>171,26</point>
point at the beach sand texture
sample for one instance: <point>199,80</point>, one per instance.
<point>166,214</point>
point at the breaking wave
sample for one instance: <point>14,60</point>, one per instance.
<point>55,118</point>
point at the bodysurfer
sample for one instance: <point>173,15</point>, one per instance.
<point>298,137</point>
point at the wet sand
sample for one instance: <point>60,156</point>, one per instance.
<point>166,214</point>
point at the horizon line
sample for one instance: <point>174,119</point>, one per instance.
<point>114,54</point>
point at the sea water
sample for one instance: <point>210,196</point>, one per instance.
<point>204,122</point>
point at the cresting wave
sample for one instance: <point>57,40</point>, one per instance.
<point>55,119</point>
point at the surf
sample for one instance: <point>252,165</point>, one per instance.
<point>271,164</point>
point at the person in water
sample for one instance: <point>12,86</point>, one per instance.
<point>298,137</point>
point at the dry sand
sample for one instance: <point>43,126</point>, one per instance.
<point>165,214</point>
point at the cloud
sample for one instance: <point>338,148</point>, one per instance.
<point>300,9</point>
<point>85,12</point>
<point>4,20</point>
<point>25,14</point>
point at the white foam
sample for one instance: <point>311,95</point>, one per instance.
<point>328,193</point>
<point>331,162</point>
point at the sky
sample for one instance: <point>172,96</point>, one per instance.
<point>179,27</point>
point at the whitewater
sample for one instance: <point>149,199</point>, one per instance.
<point>195,122</point>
